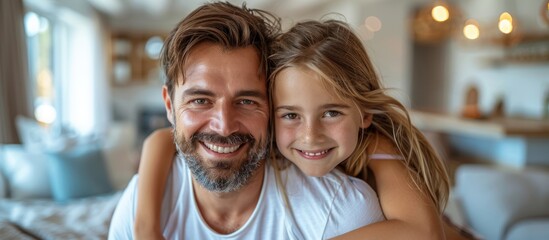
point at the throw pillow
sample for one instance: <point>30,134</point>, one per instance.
<point>26,173</point>
<point>38,138</point>
<point>79,172</point>
<point>32,135</point>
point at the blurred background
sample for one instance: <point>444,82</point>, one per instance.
<point>474,74</point>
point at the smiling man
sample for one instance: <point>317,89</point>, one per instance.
<point>222,112</point>
<point>221,186</point>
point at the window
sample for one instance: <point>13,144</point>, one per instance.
<point>67,63</point>
<point>40,51</point>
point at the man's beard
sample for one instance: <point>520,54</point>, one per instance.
<point>225,175</point>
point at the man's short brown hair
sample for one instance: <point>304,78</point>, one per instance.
<point>221,23</point>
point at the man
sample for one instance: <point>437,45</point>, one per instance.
<point>216,98</point>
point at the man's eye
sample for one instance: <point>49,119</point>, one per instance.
<point>200,101</point>
<point>247,102</point>
<point>331,114</point>
<point>289,116</point>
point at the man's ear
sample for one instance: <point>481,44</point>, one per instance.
<point>168,104</point>
<point>367,120</point>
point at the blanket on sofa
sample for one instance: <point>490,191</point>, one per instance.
<point>86,218</point>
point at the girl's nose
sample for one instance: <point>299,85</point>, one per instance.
<point>311,131</point>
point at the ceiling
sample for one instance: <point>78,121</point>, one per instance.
<point>162,15</point>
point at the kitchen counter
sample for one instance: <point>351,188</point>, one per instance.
<point>493,127</point>
<point>508,141</point>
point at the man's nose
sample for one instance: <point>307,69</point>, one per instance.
<point>225,120</point>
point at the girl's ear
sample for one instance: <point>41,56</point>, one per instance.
<point>367,120</point>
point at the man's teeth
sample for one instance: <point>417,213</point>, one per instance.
<point>312,154</point>
<point>220,149</point>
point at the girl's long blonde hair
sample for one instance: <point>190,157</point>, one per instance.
<point>332,50</point>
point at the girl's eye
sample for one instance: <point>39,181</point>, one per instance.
<point>331,114</point>
<point>289,116</point>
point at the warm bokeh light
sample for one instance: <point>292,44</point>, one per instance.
<point>505,23</point>
<point>505,26</point>
<point>505,16</point>
<point>440,13</point>
<point>44,84</point>
<point>373,23</point>
<point>471,30</point>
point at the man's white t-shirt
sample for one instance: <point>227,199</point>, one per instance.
<point>319,208</point>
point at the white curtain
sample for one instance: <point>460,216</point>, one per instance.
<point>14,96</point>
<point>84,84</point>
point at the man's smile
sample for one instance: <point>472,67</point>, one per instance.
<point>222,149</point>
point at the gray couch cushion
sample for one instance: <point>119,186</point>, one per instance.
<point>493,198</point>
<point>531,229</point>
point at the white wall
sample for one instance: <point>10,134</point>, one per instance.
<point>390,48</point>
<point>522,85</point>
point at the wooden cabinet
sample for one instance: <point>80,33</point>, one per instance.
<point>135,57</point>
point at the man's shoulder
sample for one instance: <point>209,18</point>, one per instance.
<point>121,225</point>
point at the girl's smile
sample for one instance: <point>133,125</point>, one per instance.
<point>314,155</point>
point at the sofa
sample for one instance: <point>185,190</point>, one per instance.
<point>68,192</point>
<point>502,203</point>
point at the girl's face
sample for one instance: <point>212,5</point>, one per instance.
<point>314,129</point>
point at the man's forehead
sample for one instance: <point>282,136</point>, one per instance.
<point>203,53</point>
<point>210,65</point>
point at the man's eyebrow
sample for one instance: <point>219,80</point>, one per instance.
<point>251,93</point>
<point>197,91</point>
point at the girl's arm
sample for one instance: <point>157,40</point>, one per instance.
<point>156,161</point>
<point>410,215</point>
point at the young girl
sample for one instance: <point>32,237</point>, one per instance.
<point>329,110</point>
